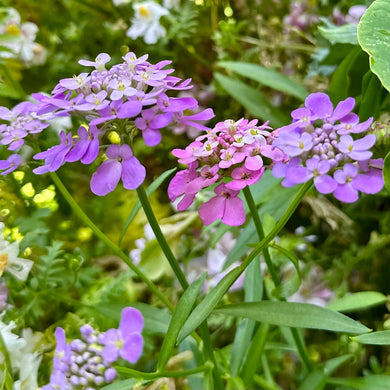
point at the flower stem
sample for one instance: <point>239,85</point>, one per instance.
<point>84,217</point>
<point>301,348</point>
<point>143,198</point>
<point>260,232</point>
<point>208,350</point>
<point>161,374</point>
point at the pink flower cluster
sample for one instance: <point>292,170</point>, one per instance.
<point>235,151</point>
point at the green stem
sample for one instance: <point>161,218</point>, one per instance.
<point>162,374</point>
<point>208,350</point>
<point>81,214</point>
<point>143,198</point>
<point>260,231</point>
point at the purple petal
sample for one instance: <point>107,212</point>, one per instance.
<point>325,184</point>
<point>369,184</point>
<point>132,348</point>
<point>320,105</point>
<point>129,109</point>
<point>78,151</point>
<point>364,143</point>
<point>151,137</point>
<point>92,152</point>
<point>346,193</point>
<point>343,108</point>
<point>161,120</point>
<point>131,321</point>
<point>133,173</point>
<point>110,353</point>
<point>106,178</point>
<point>298,174</point>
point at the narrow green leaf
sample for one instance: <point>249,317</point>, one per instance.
<point>340,34</point>
<point>374,38</point>
<point>378,338</point>
<point>253,287</point>
<point>266,76</point>
<point>179,317</point>
<point>203,310</point>
<point>317,379</point>
<point>297,315</point>
<point>357,301</point>
<point>377,382</point>
<point>290,286</point>
<point>127,384</point>
<point>137,207</point>
<point>253,100</point>
<point>386,171</point>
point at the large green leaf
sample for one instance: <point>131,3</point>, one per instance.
<point>253,100</point>
<point>179,317</point>
<point>297,315</point>
<point>372,382</point>
<point>374,38</point>
<point>377,338</point>
<point>268,77</point>
<point>357,301</point>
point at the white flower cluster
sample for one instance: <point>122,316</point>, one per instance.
<point>17,40</point>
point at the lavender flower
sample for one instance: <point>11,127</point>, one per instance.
<point>87,363</point>
<point>236,151</point>
<point>326,145</point>
<point>127,98</point>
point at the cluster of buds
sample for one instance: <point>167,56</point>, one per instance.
<point>237,152</point>
<point>127,98</point>
<point>331,147</point>
<point>87,363</point>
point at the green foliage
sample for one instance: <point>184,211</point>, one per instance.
<point>374,38</point>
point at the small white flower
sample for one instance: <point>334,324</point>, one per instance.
<point>146,22</point>
<point>9,259</point>
<point>20,39</point>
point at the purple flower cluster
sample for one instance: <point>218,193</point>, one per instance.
<point>87,364</point>
<point>23,120</point>
<point>233,151</point>
<point>125,99</point>
<point>329,145</point>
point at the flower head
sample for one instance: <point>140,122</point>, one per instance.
<point>328,145</point>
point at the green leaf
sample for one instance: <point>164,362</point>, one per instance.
<point>317,378</point>
<point>291,286</point>
<point>374,38</point>
<point>377,338</point>
<point>203,310</point>
<point>292,314</point>
<point>253,287</point>
<point>386,171</point>
<point>137,207</point>
<point>127,384</point>
<point>179,317</point>
<point>357,301</point>
<point>377,382</point>
<point>253,100</point>
<point>266,76</point>
<point>340,34</point>
<point>341,80</point>
<point>370,103</point>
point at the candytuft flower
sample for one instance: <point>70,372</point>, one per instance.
<point>328,145</point>
<point>235,151</point>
